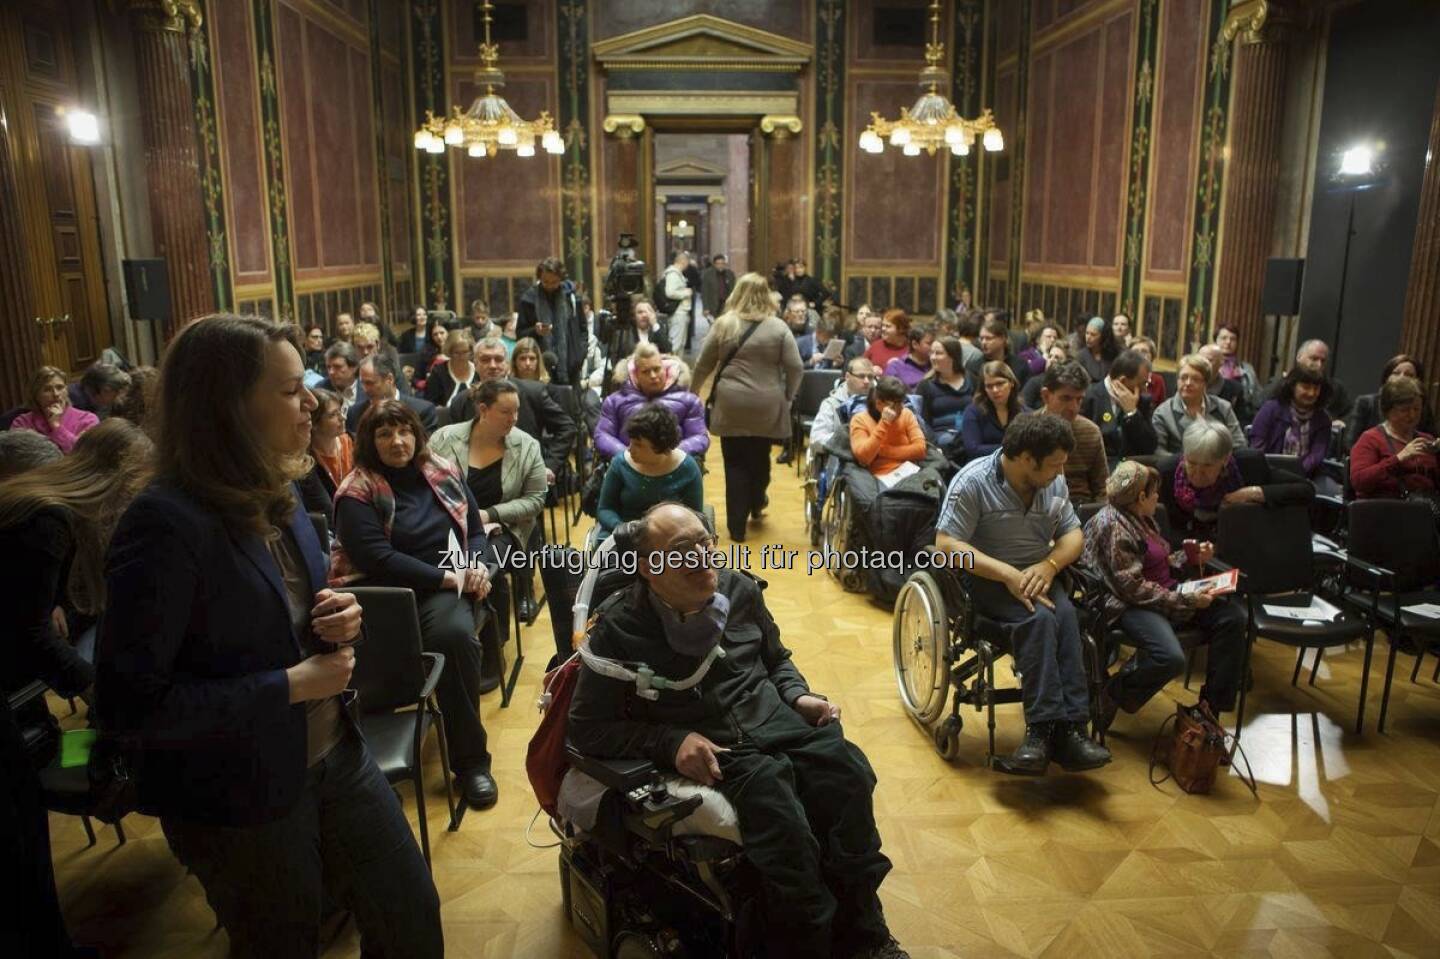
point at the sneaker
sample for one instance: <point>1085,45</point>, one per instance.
<point>1075,751</point>
<point>1032,756</point>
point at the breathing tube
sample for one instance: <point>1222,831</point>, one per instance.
<point>647,683</point>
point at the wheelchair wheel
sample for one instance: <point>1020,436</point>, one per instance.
<point>947,737</point>
<point>835,520</point>
<point>920,637</point>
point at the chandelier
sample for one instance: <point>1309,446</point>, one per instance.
<point>932,122</point>
<point>490,125</point>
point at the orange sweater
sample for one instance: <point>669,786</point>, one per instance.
<point>883,446</point>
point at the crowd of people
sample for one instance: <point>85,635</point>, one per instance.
<point>183,503</point>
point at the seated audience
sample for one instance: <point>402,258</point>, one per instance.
<point>342,375</point>
<point>894,341</point>
<point>480,325</point>
<point>946,391</point>
<point>1142,574</point>
<point>1155,385</point>
<point>1059,352</point>
<point>98,388</point>
<point>380,378</point>
<point>1234,369</point>
<point>653,469</point>
<point>1315,354</point>
<point>1086,468</point>
<point>433,354</point>
<point>456,374</point>
<point>505,471</point>
<point>994,343</point>
<point>1212,472</point>
<point>1007,520</point>
<point>815,350</point>
<point>315,349</point>
<point>332,449</point>
<point>836,409</point>
<point>1120,326</point>
<point>1040,335</point>
<point>886,433</point>
<point>911,368</point>
<point>414,339</point>
<point>801,319</point>
<point>509,336</point>
<point>1096,348</point>
<point>50,413</point>
<point>1395,459</point>
<point>24,450</point>
<point>1191,402</point>
<point>344,329</point>
<point>527,362</point>
<point>225,658</point>
<point>648,329</point>
<point>370,313</point>
<point>967,330</point>
<point>661,380</point>
<point>1228,390</point>
<point>366,340</point>
<point>751,730</point>
<point>55,525</point>
<point>1295,423</point>
<point>983,425</point>
<point>394,517</point>
<point>137,401</point>
<point>1366,411</point>
<point>541,416</point>
<point>1122,409</point>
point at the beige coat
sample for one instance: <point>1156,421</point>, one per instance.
<point>522,474</point>
<point>754,392</point>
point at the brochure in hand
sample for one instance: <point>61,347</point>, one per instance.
<point>1218,585</point>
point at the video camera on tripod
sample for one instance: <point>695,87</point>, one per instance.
<point>624,281</point>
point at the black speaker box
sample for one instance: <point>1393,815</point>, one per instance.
<point>1281,296</point>
<point>147,287</point>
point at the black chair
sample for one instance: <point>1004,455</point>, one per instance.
<point>393,673</point>
<point>1272,549</point>
<point>566,483</point>
<point>412,360</point>
<point>1393,558</point>
<point>815,385</point>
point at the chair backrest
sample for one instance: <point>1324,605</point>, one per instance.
<point>564,394</point>
<point>1270,545</point>
<point>815,385</point>
<point>389,671</point>
<point>322,528</point>
<point>1398,535</point>
<point>1083,511</point>
<point>413,360</point>
<point>1169,378</point>
<point>1286,462</point>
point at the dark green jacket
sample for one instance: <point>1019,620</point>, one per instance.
<point>754,683</point>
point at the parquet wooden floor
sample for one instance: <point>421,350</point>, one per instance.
<point>1340,855</point>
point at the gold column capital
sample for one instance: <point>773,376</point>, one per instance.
<point>779,126</point>
<point>624,125</point>
<point>171,16</point>
<point>1258,21</point>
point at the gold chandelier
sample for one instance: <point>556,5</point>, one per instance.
<point>932,122</point>
<point>490,125</point>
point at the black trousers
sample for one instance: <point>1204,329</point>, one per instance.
<point>346,839</point>
<point>30,920</point>
<point>747,477</point>
<point>803,795</point>
<point>447,626</point>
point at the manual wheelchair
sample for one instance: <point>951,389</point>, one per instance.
<point>941,641</point>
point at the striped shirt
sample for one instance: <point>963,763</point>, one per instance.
<point>983,510</point>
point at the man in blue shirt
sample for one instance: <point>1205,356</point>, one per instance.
<point>1010,511</point>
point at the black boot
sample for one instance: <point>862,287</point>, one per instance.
<point>1075,751</point>
<point>1032,756</point>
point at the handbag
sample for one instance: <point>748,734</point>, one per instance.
<point>719,370</point>
<point>1195,750</point>
<point>545,759</point>
<point>590,495</point>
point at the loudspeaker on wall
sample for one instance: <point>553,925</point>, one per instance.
<point>1281,296</point>
<point>147,287</point>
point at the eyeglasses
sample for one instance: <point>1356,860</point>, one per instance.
<point>700,544</point>
<point>862,376</point>
<point>997,385</point>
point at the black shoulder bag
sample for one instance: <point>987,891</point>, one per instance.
<point>719,370</point>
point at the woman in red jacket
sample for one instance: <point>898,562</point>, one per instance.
<point>885,433</point>
<point>1394,459</point>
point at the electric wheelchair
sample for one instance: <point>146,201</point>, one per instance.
<point>941,642</point>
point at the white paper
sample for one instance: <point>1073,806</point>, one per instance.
<point>1318,610</point>
<point>897,474</point>
<point>1432,610</point>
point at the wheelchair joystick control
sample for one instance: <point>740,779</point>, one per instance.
<point>657,790</point>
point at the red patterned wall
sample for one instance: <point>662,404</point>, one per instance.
<point>1176,136</point>
<point>891,213</point>
<point>236,91</point>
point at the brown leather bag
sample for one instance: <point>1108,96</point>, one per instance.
<point>1195,750</point>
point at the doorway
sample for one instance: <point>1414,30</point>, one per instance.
<point>702,189</point>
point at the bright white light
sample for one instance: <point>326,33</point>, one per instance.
<point>993,141</point>
<point>877,145</point>
<point>454,136</point>
<point>912,149</point>
<point>954,134</point>
<point>476,150</point>
<point>870,142</point>
<point>899,137</point>
<point>553,142</point>
<point>422,139</point>
<point>436,145</point>
<point>525,149</point>
<point>507,136</point>
<point>960,149</point>
<point>84,126</point>
<point>1357,161</point>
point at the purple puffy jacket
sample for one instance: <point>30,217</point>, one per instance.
<point>610,438</point>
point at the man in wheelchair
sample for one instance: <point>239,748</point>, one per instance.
<point>1010,511</point>
<point>750,728</point>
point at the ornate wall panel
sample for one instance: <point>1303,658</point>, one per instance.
<point>275,184</point>
<point>1177,134</point>
<point>831,144</point>
<point>615,17</point>
<point>962,241</point>
<point>576,196</point>
<point>202,81</point>
<point>1205,217</point>
<point>427,51</point>
<point>1137,193</point>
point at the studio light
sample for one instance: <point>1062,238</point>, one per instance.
<point>1359,160</point>
<point>84,127</point>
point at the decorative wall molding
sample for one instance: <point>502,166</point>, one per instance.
<point>968,46</point>
<point>386,302</point>
<point>1016,144</point>
<point>702,102</point>
<point>623,125</point>
<point>1137,190</point>
<point>202,77</point>
<point>1205,227</point>
<point>575,198</point>
<point>437,243</point>
<point>830,142</point>
<point>284,300</point>
<point>702,42</point>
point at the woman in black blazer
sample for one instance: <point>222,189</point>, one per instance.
<point>226,659</point>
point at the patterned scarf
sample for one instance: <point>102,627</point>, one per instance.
<point>1194,499</point>
<point>371,487</point>
<point>1297,436</point>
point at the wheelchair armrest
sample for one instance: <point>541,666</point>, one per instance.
<point>436,666</point>
<point>618,774</point>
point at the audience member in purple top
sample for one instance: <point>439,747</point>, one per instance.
<point>50,413</point>
<point>911,368</point>
<point>653,378</point>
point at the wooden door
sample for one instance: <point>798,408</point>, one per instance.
<point>55,182</point>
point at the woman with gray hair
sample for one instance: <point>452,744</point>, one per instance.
<point>1192,403</point>
<point>1214,472</point>
<point>1142,574</point>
